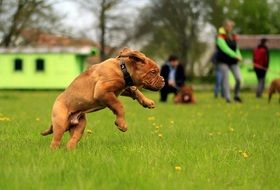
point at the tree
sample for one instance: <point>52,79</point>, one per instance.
<point>251,17</point>
<point>177,26</point>
<point>113,25</point>
<point>172,26</point>
<point>17,15</point>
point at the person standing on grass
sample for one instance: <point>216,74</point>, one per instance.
<point>218,77</point>
<point>228,55</point>
<point>174,76</point>
<point>261,63</point>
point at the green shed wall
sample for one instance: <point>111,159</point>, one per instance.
<point>60,70</point>
<point>246,68</point>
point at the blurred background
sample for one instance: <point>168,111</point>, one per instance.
<point>46,43</point>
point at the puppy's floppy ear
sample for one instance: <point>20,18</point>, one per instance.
<point>134,55</point>
<point>124,52</point>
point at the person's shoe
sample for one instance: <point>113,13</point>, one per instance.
<point>258,96</point>
<point>228,101</point>
<point>237,99</point>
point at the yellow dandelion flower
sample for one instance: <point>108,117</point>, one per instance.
<point>172,122</point>
<point>210,134</point>
<point>231,129</point>
<point>37,119</point>
<point>89,131</point>
<point>157,127</point>
<point>178,168</point>
<point>5,119</point>
<point>160,135</point>
<point>245,155</point>
<point>152,118</point>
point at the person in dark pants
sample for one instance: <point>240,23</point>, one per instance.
<point>261,63</point>
<point>174,76</point>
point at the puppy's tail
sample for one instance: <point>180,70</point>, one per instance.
<point>48,131</point>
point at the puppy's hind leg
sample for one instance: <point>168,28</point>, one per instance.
<point>58,131</point>
<point>60,124</point>
<point>76,132</point>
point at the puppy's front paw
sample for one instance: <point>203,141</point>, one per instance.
<point>147,103</point>
<point>121,124</point>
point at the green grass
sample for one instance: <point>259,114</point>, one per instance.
<point>209,141</point>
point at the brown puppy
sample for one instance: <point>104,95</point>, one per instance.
<point>98,88</point>
<point>185,95</point>
<point>273,88</point>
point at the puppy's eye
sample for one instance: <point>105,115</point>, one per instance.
<point>153,72</point>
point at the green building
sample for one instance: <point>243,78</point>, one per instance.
<point>41,67</point>
<point>247,43</point>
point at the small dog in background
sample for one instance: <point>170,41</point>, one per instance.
<point>274,88</point>
<point>185,96</point>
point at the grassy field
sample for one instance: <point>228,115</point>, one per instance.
<point>210,145</point>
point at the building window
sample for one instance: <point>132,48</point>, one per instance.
<point>18,65</point>
<point>40,65</point>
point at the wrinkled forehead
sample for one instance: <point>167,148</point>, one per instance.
<point>152,63</point>
<point>140,55</point>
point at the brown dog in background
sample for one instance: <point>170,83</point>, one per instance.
<point>185,95</point>
<point>274,88</point>
<point>97,88</point>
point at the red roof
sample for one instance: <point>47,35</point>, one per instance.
<point>252,41</point>
<point>39,38</point>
